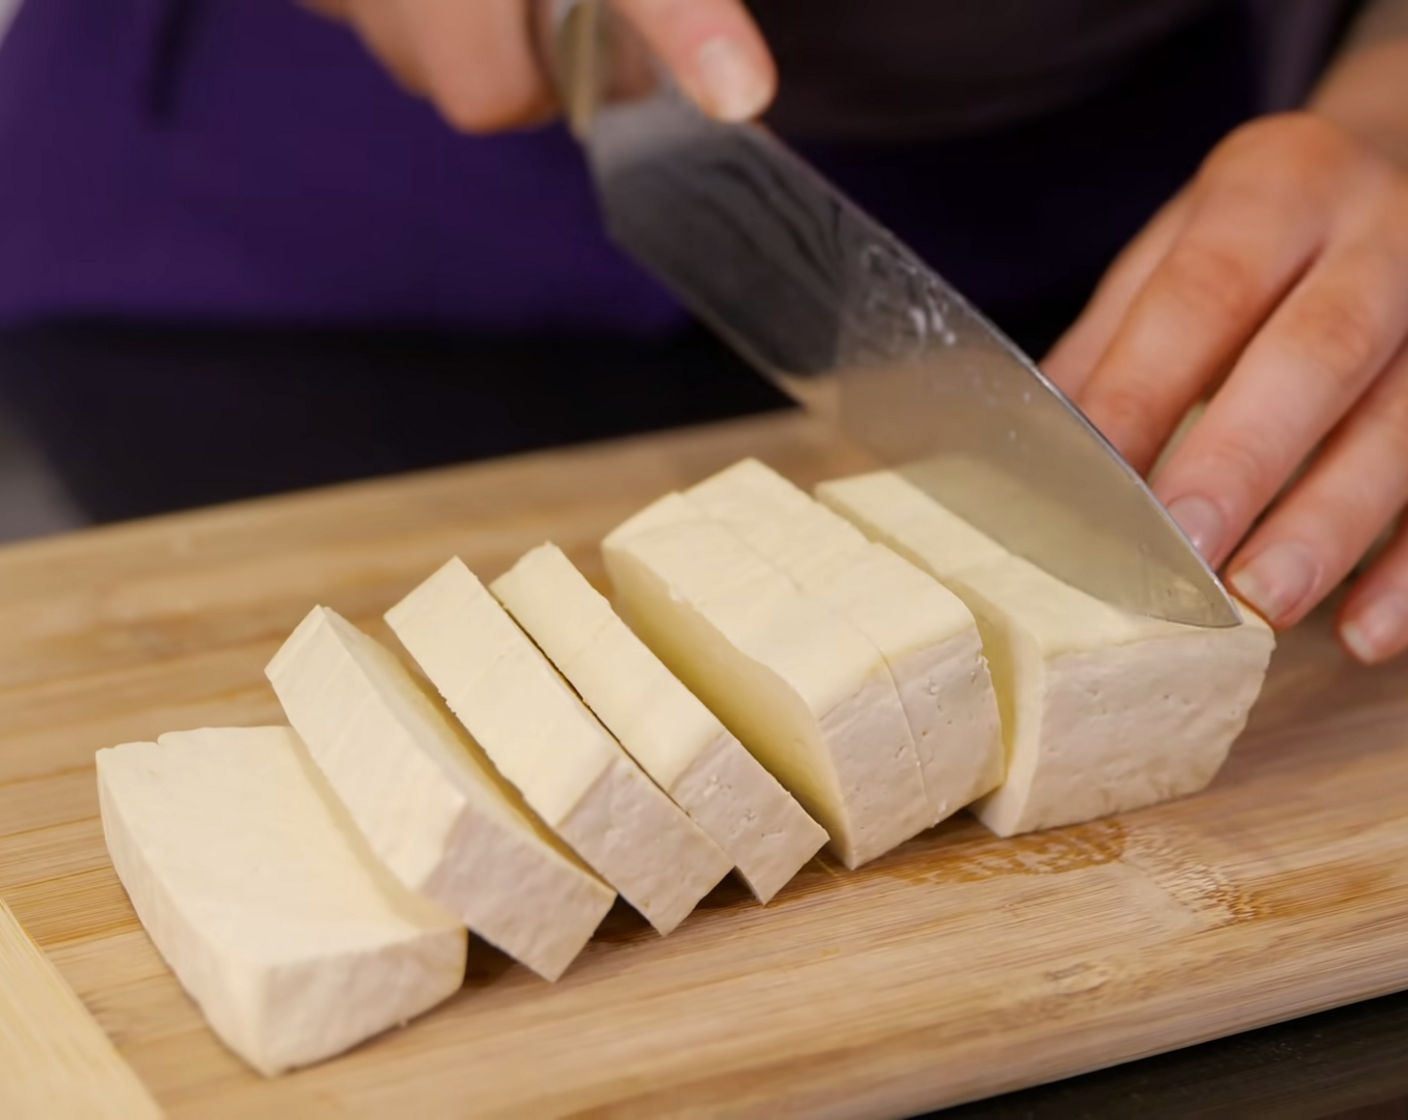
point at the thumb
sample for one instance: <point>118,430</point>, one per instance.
<point>713,48</point>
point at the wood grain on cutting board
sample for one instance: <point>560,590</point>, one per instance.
<point>958,966</point>
<point>55,1060</point>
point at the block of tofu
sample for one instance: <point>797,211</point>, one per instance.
<point>430,803</point>
<point>542,738</point>
<point>265,900</point>
<point>664,727</point>
<point>928,636</point>
<point>805,691</point>
<point>1102,711</point>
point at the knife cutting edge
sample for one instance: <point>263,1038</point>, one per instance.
<point>833,308</point>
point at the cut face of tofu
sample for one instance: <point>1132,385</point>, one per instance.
<point>265,900</point>
<point>675,738</point>
<point>808,694</point>
<point>545,741</point>
<point>1102,711</point>
<point>430,804</point>
<point>929,638</point>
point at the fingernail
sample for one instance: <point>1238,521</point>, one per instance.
<point>1278,579</point>
<point>1379,630</point>
<point>1203,523</point>
<point>733,86</point>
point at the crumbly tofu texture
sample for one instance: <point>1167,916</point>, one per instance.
<point>808,694</point>
<point>430,803</point>
<point>544,740</point>
<point>1102,711</point>
<point>928,636</point>
<point>665,727</point>
<point>264,898</point>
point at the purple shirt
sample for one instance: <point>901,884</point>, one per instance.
<point>243,160</point>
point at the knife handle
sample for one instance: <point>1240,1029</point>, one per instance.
<point>569,36</point>
<point>593,58</point>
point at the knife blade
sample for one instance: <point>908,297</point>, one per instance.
<point>835,309</point>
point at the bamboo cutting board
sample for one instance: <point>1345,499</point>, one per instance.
<point>957,967</point>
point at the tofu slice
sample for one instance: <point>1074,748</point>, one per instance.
<point>429,802</point>
<point>808,694</point>
<point>1102,711</point>
<point>676,740</point>
<point>928,636</point>
<point>265,900</point>
<point>543,739</point>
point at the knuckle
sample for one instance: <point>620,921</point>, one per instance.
<point>1396,213</point>
<point>484,90</point>
<point>1387,414</point>
<point>1338,336</point>
<point>1239,142</point>
<point>463,115</point>
<point>481,108</point>
<point>1298,136</point>
<point>1127,415</point>
<point>460,115</point>
<point>1302,147</point>
<point>1214,281</point>
<point>1247,469</point>
<point>1310,144</point>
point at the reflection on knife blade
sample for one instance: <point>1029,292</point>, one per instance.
<point>833,307</point>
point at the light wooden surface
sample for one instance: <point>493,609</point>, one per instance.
<point>957,967</point>
<point>55,1060</point>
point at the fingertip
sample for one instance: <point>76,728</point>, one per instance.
<point>714,49</point>
<point>1376,630</point>
<point>1203,523</point>
<point>1358,644</point>
<point>731,83</point>
<point>1281,582</point>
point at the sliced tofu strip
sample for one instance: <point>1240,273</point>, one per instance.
<point>928,636</point>
<point>808,694</point>
<point>664,726</point>
<point>430,803</point>
<point>265,900</point>
<point>543,739</point>
<point>1102,710</point>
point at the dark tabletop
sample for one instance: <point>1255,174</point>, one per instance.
<point>1351,1062</point>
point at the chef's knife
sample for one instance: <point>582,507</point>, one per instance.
<point>835,309</point>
